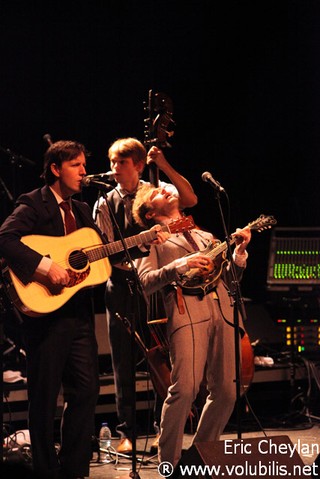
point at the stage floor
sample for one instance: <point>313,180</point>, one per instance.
<point>269,397</point>
<point>295,450</point>
<point>307,440</point>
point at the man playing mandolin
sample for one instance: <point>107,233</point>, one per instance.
<point>199,327</point>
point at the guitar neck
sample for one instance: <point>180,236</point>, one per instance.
<point>109,249</point>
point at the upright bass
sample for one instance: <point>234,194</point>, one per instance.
<point>159,109</point>
<point>158,128</point>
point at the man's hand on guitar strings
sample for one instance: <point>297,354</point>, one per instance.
<point>58,275</point>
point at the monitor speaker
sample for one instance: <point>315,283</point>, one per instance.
<point>267,457</point>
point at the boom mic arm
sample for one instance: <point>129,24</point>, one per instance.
<point>108,175</point>
<point>86,181</point>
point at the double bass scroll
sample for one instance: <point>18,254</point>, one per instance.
<point>158,127</point>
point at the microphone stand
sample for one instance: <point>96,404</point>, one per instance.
<point>5,204</point>
<point>6,190</point>
<point>136,290</point>
<point>17,161</point>
<point>238,305</point>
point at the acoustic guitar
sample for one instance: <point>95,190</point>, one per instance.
<point>83,255</point>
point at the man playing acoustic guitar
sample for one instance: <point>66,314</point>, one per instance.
<point>61,348</point>
<point>200,327</point>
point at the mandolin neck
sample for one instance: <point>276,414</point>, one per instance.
<point>220,248</point>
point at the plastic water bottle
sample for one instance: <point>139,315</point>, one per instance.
<point>105,438</point>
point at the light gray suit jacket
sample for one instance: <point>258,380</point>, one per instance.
<point>158,272</point>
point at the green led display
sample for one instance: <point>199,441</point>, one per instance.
<point>294,260</point>
<point>296,271</point>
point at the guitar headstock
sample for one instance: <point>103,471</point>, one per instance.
<point>185,223</point>
<point>262,223</point>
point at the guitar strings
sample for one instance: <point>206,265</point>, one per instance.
<point>78,257</point>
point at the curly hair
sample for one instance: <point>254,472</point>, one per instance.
<point>142,205</point>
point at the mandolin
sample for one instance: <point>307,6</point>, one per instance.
<point>199,282</point>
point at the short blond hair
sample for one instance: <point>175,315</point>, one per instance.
<point>142,205</point>
<point>129,147</point>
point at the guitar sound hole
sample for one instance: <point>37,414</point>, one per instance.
<point>78,260</point>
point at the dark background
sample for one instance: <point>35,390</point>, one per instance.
<point>243,77</point>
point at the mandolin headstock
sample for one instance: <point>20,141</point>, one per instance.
<point>262,223</point>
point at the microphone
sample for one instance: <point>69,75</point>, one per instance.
<point>108,175</point>
<point>207,177</point>
<point>86,181</point>
<point>47,138</point>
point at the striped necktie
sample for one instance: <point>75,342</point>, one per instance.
<point>69,220</point>
<point>128,200</point>
<point>190,240</point>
